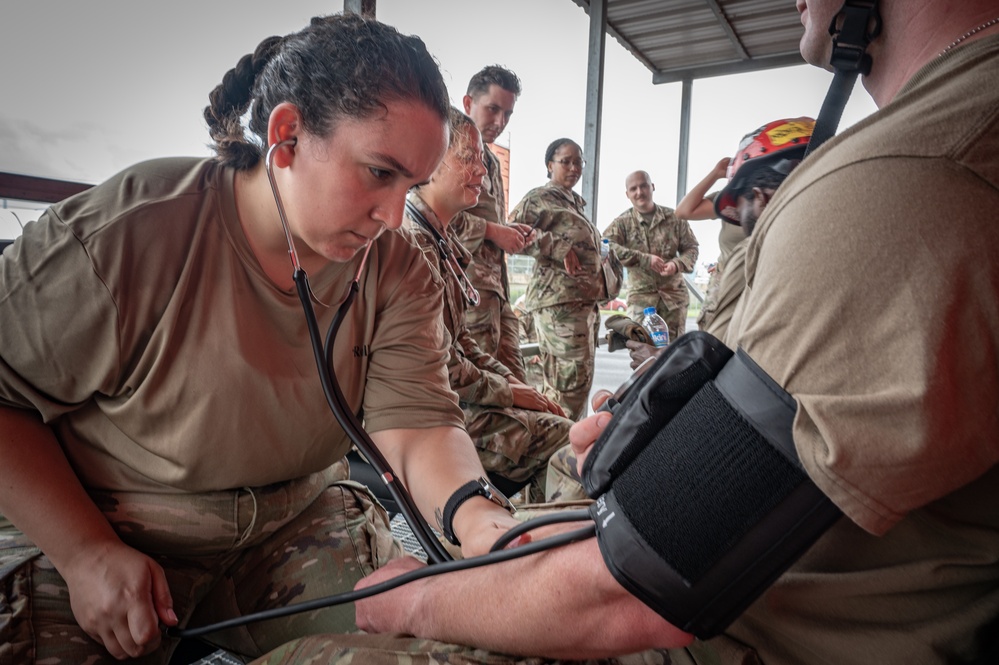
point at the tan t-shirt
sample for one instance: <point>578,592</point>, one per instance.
<point>729,236</point>
<point>733,282</point>
<point>135,318</point>
<point>873,298</point>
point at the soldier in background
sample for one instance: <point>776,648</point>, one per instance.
<point>762,163</point>
<point>515,429</point>
<point>697,205</point>
<point>656,246</point>
<point>492,94</point>
<point>568,279</point>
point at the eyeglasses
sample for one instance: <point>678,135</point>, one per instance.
<point>566,162</point>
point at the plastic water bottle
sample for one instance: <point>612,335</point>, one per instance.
<point>656,327</point>
<point>604,248</point>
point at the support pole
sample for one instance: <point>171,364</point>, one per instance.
<point>683,156</point>
<point>594,105</point>
<point>365,8</point>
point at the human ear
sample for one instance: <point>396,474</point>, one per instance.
<point>466,102</point>
<point>284,123</point>
<point>762,196</point>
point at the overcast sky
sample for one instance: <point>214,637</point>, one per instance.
<point>88,88</point>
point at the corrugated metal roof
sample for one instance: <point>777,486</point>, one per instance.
<point>678,39</point>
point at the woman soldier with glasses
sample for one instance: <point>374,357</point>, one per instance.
<point>568,279</point>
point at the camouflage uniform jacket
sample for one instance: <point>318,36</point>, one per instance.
<point>488,269</point>
<point>558,215</point>
<point>636,242</point>
<point>476,376</point>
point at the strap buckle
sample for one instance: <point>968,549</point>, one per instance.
<point>478,487</point>
<point>853,36</point>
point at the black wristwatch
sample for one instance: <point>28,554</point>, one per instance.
<point>477,487</point>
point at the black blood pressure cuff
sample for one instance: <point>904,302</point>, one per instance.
<point>701,500</point>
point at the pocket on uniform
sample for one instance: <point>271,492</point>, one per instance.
<point>16,634</point>
<point>373,541</point>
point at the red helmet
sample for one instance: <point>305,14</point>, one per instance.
<point>779,145</point>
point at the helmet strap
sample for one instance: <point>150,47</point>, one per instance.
<point>852,30</point>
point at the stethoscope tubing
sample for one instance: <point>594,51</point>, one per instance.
<point>500,556</point>
<point>442,562</point>
<point>447,256</point>
<point>323,353</point>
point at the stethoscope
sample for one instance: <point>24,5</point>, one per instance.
<point>447,256</point>
<point>327,374</point>
<point>437,555</point>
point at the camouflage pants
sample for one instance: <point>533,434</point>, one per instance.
<point>563,482</point>
<point>527,332</point>
<point>395,650</point>
<point>535,375</point>
<point>495,328</point>
<point>225,554</point>
<point>567,336</point>
<point>532,363</point>
<point>673,310</point>
<point>516,443</point>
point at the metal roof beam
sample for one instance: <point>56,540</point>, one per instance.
<point>726,27</point>
<point>726,68</point>
<point>612,31</point>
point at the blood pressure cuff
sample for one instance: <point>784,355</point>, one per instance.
<point>701,500</point>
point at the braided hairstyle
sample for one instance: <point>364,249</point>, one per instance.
<point>553,148</point>
<point>339,66</point>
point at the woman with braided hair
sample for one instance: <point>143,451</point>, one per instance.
<point>168,454</point>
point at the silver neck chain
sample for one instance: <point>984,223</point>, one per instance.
<point>983,26</point>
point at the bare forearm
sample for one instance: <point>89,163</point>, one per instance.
<point>694,205</point>
<point>568,606</point>
<point>39,492</point>
<point>435,462</point>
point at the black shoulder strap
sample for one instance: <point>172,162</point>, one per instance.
<point>852,29</point>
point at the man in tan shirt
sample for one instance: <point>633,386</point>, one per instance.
<point>896,425</point>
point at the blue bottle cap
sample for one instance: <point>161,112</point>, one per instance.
<point>650,310</point>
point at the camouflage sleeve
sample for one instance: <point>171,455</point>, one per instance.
<point>484,361</point>
<point>475,385</point>
<point>526,212</point>
<point>630,258</point>
<point>689,249</point>
<point>533,211</point>
<point>470,229</point>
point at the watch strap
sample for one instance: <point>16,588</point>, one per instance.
<point>460,496</point>
<point>478,487</point>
